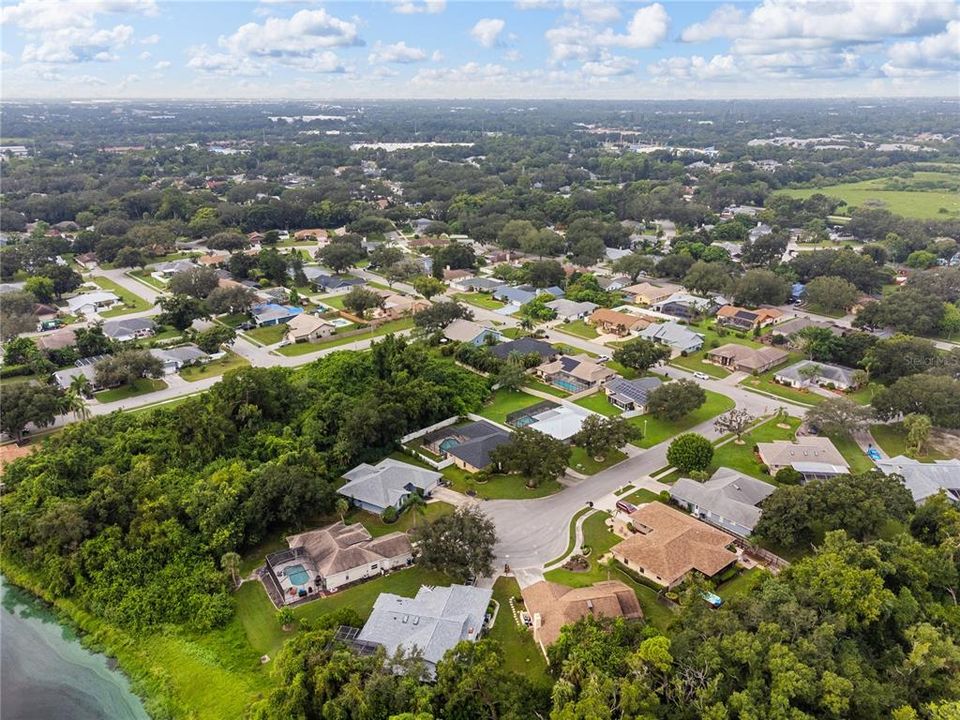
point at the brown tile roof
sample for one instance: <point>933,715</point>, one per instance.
<point>607,316</point>
<point>56,340</point>
<point>669,544</point>
<point>340,547</point>
<point>763,315</point>
<point>559,605</point>
<point>650,293</point>
<point>750,358</point>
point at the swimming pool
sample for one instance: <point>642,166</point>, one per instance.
<point>297,575</point>
<point>448,444</point>
<point>567,385</point>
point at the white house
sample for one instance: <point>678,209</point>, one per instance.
<point>91,303</point>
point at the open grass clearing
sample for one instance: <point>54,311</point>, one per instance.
<point>892,439</point>
<point>268,334</point>
<point>580,328</point>
<point>521,654</point>
<point>214,368</point>
<point>143,386</point>
<point>598,403</point>
<point>132,302</point>
<point>336,341</point>
<point>480,300</point>
<point>656,430</point>
<point>504,402</point>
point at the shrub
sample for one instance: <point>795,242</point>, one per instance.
<point>788,476</point>
<point>389,515</point>
<point>9,371</point>
<point>689,452</point>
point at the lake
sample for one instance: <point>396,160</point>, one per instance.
<point>47,674</point>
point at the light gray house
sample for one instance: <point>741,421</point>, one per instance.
<point>795,376</point>
<point>433,622</point>
<point>468,331</point>
<point>126,329</point>
<point>387,484</point>
<point>631,395</point>
<point>924,480</point>
<point>175,359</point>
<point>730,500</point>
<point>675,335</point>
<point>571,310</point>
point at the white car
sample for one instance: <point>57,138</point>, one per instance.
<point>701,376</point>
<point>603,358</point>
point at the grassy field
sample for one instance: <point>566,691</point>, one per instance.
<point>406,522</point>
<point>481,300</point>
<point>656,430</point>
<point>696,363</point>
<point>892,439</point>
<point>498,487</point>
<point>145,277</point>
<point>764,383</point>
<point>214,368</point>
<point>505,402</point>
<point>855,457</point>
<point>583,462</point>
<point>924,201</point>
<point>580,328</point>
<point>544,388</point>
<point>140,387</point>
<point>334,301</point>
<point>131,303</point>
<point>385,329</point>
<point>598,403</point>
<point>521,654</point>
<point>267,335</point>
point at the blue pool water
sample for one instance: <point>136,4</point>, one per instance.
<point>567,385</point>
<point>447,444</point>
<point>297,574</point>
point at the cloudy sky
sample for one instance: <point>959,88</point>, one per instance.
<point>450,48</point>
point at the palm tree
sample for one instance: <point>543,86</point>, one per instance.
<point>231,563</point>
<point>417,505</point>
<point>81,386</point>
<point>343,507</point>
<point>76,403</point>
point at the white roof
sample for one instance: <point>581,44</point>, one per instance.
<point>91,298</point>
<point>561,422</point>
<point>464,330</point>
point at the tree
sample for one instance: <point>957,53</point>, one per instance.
<point>765,251</point>
<point>285,617</point>
<point>516,233</point>
<point>538,310</point>
<point>428,286</point>
<point>90,341</point>
<point>213,338</point>
<point>440,314</point>
<point>416,504</point>
<point>383,256</point>
<point>75,401</point>
<point>64,279</point>
<point>342,508</point>
<point>229,241</point>
<point>17,314</point>
<point>230,562</point>
<point>899,356</point>
<point>230,299</point>
<point>588,251</point>
<point>786,517</point>
<point>641,354</point>
<point>455,256</point>
<point>544,273</point>
<point>737,421</point>
<point>180,311</point>
<point>673,400</point>
<point>511,374</point>
<point>634,266</point>
<point>537,457</point>
<point>459,544</point>
<point>918,430</point>
<point>690,452</point>
<point>40,287</point>
<point>130,257</point>
<point>547,243</point>
<point>26,403</point>
<point>936,396</point>
<point>909,310</point>
<point>272,265</point>
<point>360,299</point>
<point>704,277</point>
<point>340,256</point>
<point>761,287</point>
<point>403,271</point>
<point>599,435</point>
<point>831,294</point>
<point>196,282</point>
<point>839,416</point>
<point>126,367</point>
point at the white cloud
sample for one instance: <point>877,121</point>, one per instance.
<point>536,4</point>
<point>608,66</point>
<point>78,45</point>
<point>45,15</point>
<point>932,54</point>
<point>411,7</point>
<point>88,80</point>
<point>162,65</point>
<point>594,11</point>
<point>647,28</point>
<point>395,53</point>
<point>298,36</point>
<point>150,39</point>
<point>512,56</point>
<point>219,63</point>
<point>487,30</point>
<point>468,73</point>
<point>145,55</point>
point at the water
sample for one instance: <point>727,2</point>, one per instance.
<point>46,674</point>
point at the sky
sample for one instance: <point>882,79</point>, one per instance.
<point>524,49</point>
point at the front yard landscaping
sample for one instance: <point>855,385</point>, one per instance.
<point>656,430</point>
<point>580,328</point>
<point>481,300</point>
<point>583,462</point>
<point>338,340</point>
<point>892,439</point>
<point>598,403</point>
<point>131,302</point>
<point>214,368</point>
<point>267,335</point>
<point>135,389</point>
<point>146,278</point>
<point>498,487</point>
<point>408,519</point>
<point>696,363</point>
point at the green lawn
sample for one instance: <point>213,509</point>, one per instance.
<point>855,457</point>
<point>145,277</point>
<point>642,496</point>
<point>864,396</point>
<point>892,439</point>
<point>481,300</point>
<point>506,401</point>
<point>696,363</point>
<point>572,536</point>
<point>521,654</point>
<point>334,301</point>
<point>131,303</point>
<point>406,522</point>
<point>580,328</point>
<point>582,462</point>
<point>739,585</point>
<point>765,384</point>
<point>306,348</point>
<point>656,430</point>
<point>140,387</point>
<point>544,388</point>
<point>269,334</point>
<point>234,320</point>
<point>742,458</point>
<point>622,370</point>
<point>214,368</point>
<point>573,350</point>
<point>890,194</point>
<point>498,487</point>
<point>598,403</point>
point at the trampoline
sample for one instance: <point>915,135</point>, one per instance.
<point>297,575</point>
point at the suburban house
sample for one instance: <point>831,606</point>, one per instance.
<point>730,500</point>
<point>807,372</point>
<point>618,323</point>
<point>570,310</point>
<point>308,328</point>
<point>63,378</point>
<point>924,480</point>
<point>476,284</point>
<point>746,359</point>
<point>433,622</point>
<point>795,325</point>
<point>675,335</point>
<point>665,545</point>
<point>273,314</point>
<point>387,484</point>
<point>525,346</point>
<point>552,606</point>
<point>325,282</point>
<point>470,332</point>
<point>324,560</point>
<point>166,270</point>
<point>747,320</point>
<point>459,274</point>
<point>685,306</point>
<point>88,261</point>
<point>647,294</point>
<point>816,458</point>
<point>574,374</point>
<point>56,340</point>
<point>560,422</point>
<point>91,303</point>
<point>469,445</point>
<point>175,359</point>
<point>522,294</point>
<point>127,329</point>
<point>612,284</point>
<point>397,306</point>
<point>631,395</point>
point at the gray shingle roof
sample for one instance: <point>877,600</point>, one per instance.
<point>636,390</point>
<point>384,484</point>
<point>484,438</point>
<point>524,346</point>
<point>127,326</point>
<point>729,494</point>
<point>925,479</point>
<point>825,372</point>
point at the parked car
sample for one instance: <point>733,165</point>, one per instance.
<point>701,376</point>
<point>626,507</point>
<point>603,358</point>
